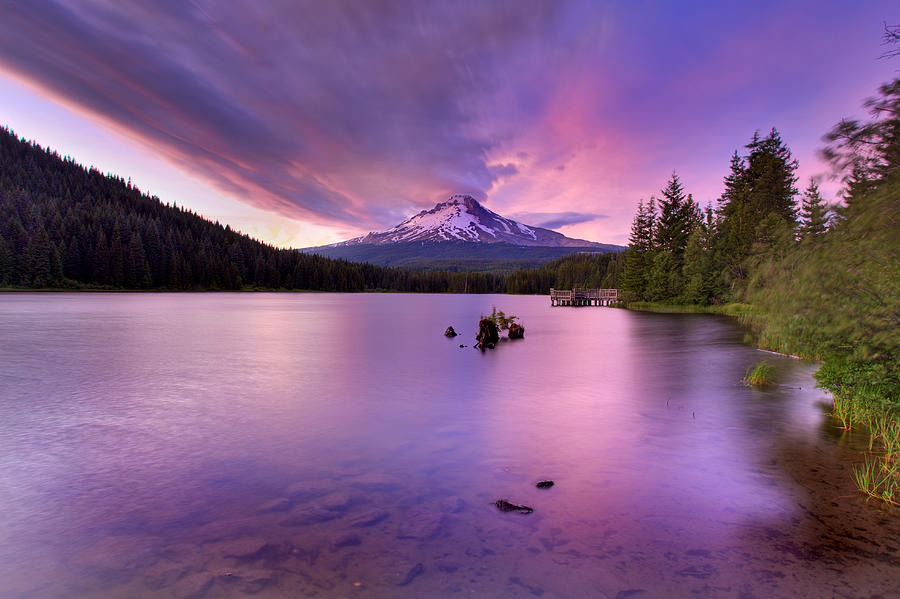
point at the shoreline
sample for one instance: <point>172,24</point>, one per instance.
<point>852,404</point>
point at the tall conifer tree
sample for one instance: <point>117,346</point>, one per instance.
<point>813,214</point>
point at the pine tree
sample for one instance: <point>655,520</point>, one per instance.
<point>38,260</point>
<point>771,177</point>
<point>6,263</point>
<point>813,214</point>
<point>759,185</point>
<point>676,218</point>
<point>639,256</point>
<point>700,263</point>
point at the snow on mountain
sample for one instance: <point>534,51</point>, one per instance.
<point>462,218</point>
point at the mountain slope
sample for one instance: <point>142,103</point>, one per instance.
<point>462,218</point>
<point>460,234</point>
<point>454,256</point>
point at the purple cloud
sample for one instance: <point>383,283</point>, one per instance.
<point>359,113</point>
<point>554,220</point>
<point>328,111</point>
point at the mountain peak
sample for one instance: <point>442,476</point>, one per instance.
<point>462,218</point>
<point>461,199</point>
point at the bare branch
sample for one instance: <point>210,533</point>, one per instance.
<point>891,37</point>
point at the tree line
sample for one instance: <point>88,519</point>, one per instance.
<point>65,226</point>
<point>681,253</point>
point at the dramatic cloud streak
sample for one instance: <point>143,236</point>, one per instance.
<point>555,220</point>
<point>354,114</point>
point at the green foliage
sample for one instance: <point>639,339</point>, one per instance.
<point>595,270</point>
<point>701,271</point>
<point>759,185</point>
<point>761,374</point>
<point>678,216</point>
<point>657,247</point>
<point>500,319</point>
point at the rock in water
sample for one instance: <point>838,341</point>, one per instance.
<point>411,575</point>
<point>544,484</point>
<point>488,334</point>
<point>449,332</point>
<point>505,506</point>
<point>516,331</point>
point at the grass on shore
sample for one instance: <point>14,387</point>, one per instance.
<point>734,309</point>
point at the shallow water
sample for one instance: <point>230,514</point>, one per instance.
<point>325,445</point>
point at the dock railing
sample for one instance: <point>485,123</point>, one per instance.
<point>583,297</point>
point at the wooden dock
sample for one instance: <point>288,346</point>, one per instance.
<point>583,297</point>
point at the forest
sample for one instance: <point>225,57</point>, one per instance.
<point>815,280</point>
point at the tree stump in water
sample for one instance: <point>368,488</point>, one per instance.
<point>488,334</point>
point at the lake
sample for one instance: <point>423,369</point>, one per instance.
<point>338,445</point>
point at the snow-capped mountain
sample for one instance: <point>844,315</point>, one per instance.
<point>462,218</point>
<point>460,235</point>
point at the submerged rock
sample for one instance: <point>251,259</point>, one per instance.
<point>411,575</point>
<point>369,518</point>
<point>453,504</point>
<point>281,504</point>
<point>505,506</point>
<point>340,501</point>
<point>488,334</point>
<point>192,586</point>
<point>242,548</point>
<point>516,331</point>
<point>544,484</point>
<point>449,332</point>
<point>421,524</point>
<point>348,540</point>
<point>248,580</point>
<point>163,573</point>
<point>301,492</point>
<point>314,514</point>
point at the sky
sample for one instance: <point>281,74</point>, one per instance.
<point>307,122</point>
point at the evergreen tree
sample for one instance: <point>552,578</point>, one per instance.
<point>760,184</point>
<point>678,217</point>
<point>771,177</point>
<point>813,214</point>
<point>39,262</point>
<point>639,256</point>
<point>701,272</point>
<point>6,263</point>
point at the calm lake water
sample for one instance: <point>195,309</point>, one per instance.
<point>330,445</point>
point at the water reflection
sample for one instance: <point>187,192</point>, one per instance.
<point>232,444</point>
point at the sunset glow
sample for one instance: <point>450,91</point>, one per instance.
<point>312,124</point>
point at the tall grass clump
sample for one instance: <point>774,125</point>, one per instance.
<point>761,374</point>
<point>879,479</point>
